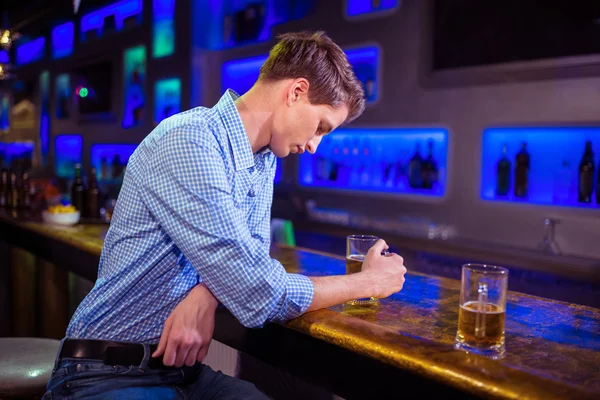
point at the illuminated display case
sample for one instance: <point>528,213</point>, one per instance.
<point>63,39</point>
<point>16,156</point>
<point>68,151</point>
<point>4,113</point>
<point>225,24</point>
<point>4,57</point>
<point>241,74</point>
<point>115,16</point>
<point>30,51</point>
<point>389,160</point>
<point>110,161</point>
<point>163,28</point>
<point>541,165</point>
<point>167,98</point>
<point>135,76</point>
<point>362,8</point>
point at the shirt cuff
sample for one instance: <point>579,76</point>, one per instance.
<point>299,292</point>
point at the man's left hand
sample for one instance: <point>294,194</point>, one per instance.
<point>188,330</point>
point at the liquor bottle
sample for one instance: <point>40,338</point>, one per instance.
<point>13,195</point>
<point>117,169</point>
<point>78,190</point>
<point>586,174</point>
<point>104,175</point>
<point>503,174</point>
<point>429,169</point>
<point>415,175</point>
<point>334,162</point>
<point>25,191</point>
<point>4,188</point>
<point>522,172</point>
<point>93,197</point>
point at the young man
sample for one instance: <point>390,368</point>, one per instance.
<point>191,229</point>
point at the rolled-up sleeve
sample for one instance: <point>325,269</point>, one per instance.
<point>191,196</point>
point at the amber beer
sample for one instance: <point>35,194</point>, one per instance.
<point>354,264</point>
<point>482,310</point>
<point>479,328</point>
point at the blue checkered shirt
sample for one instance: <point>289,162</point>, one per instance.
<point>194,206</point>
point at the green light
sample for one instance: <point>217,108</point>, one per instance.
<point>83,92</point>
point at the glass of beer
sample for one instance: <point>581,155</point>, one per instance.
<point>357,247</point>
<point>482,310</point>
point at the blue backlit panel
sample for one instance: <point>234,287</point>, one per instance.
<point>167,98</point>
<point>33,50</point>
<point>68,151</point>
<point>110,161</point>
<point>63,39</point>
<point>223,24</point>
<point>163,28</point>
<point>278,171</point>
<point>357,8</point>
<point>365,62</point>
<point>241,74</point>
<point>135,76</point>
<point>121,10</point>
<point>393,160</point>
<point>17,155</point>
<point>4,57</point>
<point>555,155</point>
<point>45,116</point>
<point>63,96</point>
<point>4,113</point>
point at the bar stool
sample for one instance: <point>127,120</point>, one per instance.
<point>25,366</point>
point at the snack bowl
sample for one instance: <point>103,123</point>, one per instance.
<point>62,218</point>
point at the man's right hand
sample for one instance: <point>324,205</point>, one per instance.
<point>384,272</point>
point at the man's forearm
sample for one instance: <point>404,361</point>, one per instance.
<point>333,290</point>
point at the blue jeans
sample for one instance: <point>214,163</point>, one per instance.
<point>92,379</point>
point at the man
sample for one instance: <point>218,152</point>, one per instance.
<point>191,230</point>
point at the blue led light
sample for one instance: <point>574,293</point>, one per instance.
<point>214,20</point>
<point>63,38</point>
<point>355,8</point>
<point>278,171</point>
<point>4,113</point>
<point>110,160</point>
<point>376,160</point>
<point>555,155</point>
<point>10,152</point>
<point>163,28</point>
<point>4,57</point>
<point>68,151</point>
<point>167,95</point>
<point>33,50</point>
<point>135,76</point>
<point>121,10</point>
<point>241,74</point>
<point>365,62</point>
<point>45,116</point>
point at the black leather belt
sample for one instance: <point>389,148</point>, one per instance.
<point>111,353</point>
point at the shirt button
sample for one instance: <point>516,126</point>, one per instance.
<point>251,193</point>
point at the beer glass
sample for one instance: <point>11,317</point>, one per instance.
<point>482,310</point>
<point>357,247</point>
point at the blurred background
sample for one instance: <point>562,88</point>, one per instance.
<point>480,139</point>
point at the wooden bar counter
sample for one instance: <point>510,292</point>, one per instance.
<point>402,348</point>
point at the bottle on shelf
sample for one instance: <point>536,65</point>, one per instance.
<point>503,174</point>
<point>93,197</point>
<point>25,191</point>
<point>334,162</point>
<point>415,175</point>
<point>429,169</point>
<point>14,195</point>
<point>4,188</point>
<point>586,174</point>
<point>78,190</point>
<point>522,172</point>
<point>565,184</point>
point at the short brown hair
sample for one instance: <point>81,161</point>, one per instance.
<point>323,63</point>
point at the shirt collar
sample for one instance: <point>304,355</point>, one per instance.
<point>238,138</point>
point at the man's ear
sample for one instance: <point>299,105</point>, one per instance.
<point>298,89</point>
